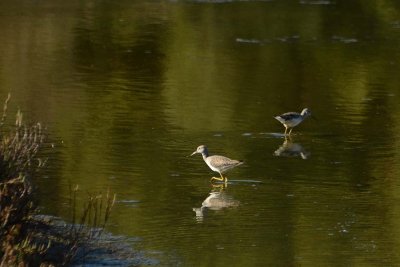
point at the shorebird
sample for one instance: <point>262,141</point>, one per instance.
<point>217,163</point>
<point>292,119</point>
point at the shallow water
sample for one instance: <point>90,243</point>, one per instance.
<point>127,90</point>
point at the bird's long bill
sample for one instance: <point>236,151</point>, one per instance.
<point>193,153</point>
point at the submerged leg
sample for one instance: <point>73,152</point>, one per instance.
<point>218,187</point>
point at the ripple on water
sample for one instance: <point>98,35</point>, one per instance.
<point>321,2</point>
<point>282,39</point>
<point>345,40</point>
<point>128,202</point>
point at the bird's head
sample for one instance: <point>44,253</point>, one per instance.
<point>306,112</point>
<point>200,150</point>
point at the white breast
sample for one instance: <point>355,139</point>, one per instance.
<point>293,122</point>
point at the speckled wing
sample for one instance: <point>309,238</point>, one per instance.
<point>288,116</point>
<point>221,163</point>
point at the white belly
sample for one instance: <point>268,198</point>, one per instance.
<point>293,122</point>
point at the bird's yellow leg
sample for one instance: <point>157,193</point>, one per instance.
<point>217,178</point>
<point>290,130</point>
<point>222,178</point>
<point>285,130</point>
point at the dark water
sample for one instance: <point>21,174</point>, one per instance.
<point>128,89</point>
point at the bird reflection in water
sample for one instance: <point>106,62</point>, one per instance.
<point>290,149</point>
<point>218,199</point>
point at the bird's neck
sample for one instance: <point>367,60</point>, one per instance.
<point>205,154</point>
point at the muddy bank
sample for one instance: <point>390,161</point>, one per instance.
<point>105,249</point>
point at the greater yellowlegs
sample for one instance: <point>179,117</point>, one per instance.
<point>217,163</point>
<point>292,119</point>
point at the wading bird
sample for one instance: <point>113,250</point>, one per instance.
<point>292,119</point>
<point>217,163</point>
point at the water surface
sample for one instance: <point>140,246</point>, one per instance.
<point>128,89</point>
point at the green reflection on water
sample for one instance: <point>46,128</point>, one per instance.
<point>129,89</point>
